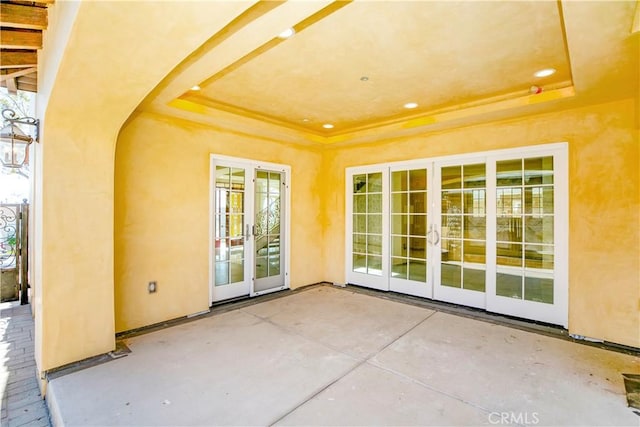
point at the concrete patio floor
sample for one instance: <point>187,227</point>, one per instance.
<point>329,356</point>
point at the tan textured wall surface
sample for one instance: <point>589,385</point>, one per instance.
<point>604,204</point>
<point>162,214</point>
<point>162,172</point>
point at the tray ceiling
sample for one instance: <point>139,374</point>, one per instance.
<point>354,65</point>
<point>361,64</point>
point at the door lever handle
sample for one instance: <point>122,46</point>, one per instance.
<point>246,234</point>
<point>437,236</point>
<point>429,234</point>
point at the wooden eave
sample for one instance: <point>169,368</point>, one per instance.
<point>21,26</point>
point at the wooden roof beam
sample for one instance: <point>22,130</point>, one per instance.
<point>20,39</point>
<point>12,88</point>
<point>20,16</point>
<point>18,59</point>
<point>16,74</point>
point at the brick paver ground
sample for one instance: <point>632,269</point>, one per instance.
<point>22,404</point>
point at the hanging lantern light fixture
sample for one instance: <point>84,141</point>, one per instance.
<point>14,143</point>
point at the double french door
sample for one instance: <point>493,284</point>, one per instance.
<point>249,250</point>
<point>487,230</point>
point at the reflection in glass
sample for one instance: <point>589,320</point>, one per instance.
<point>417,202</point>
<point>360,243</point>
<point>509,172</point>
<point>538,229</point>
<point>222,273</point>
<point>474,202</point>
<point>509,285</point>
<point>451,177</point>
<point>474,279</point>
<point>417,270</point>
<point>274,265</point>
<point>360,203</point>
<point>374,265</point>
<point>399,246</point>
<point>360,183</point>
<point>399,181</point>
<point>451,275</point>
<point>451,249</point>
<point>474,176</point>
<point>262,267</point>
<point>399,224</point>
<point>475,227</point>
<point>418,247</point>
<point>418,180</point>
<point>417,225</point>
<point>538,200</point>
<point>374,203</point>
<point>237,179</point>
<point>374,182</point>
<point>509,201</point>
<point>374,244</point>
<point>360,263</point>
<point>374,224</point>
<point>538,289</point>
<point>509,229</point>
<point>539,256</point>
<point>399,203</point>
<point>474,252</point>
<point>399,268</point>
<point>451,202</point>
<point>538,171</point>
<point>222,249</point>
<point>359,223</point>
<point>509,254</point>
<point>237,271</point>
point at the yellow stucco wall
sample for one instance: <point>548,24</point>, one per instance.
<point>604,204</point>
<point>162,214</point>
<point>162,195</point>
<point>83,104</point>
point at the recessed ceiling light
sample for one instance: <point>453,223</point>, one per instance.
<point>545,73</point>
<point>410,105</point>
<point>196,87</point>
<point>287,33</point>
<point>327,126</point>
<point>364,78</point>
<point>305,120</point>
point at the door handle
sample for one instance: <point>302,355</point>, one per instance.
<point>429,234</point>
<point>437,236</point>
<point>246,234</point>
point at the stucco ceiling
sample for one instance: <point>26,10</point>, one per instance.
<point>355,64</point>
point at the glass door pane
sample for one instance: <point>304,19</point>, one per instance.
<point>525,243</point>
<point>462,236</point>
<point>367,245</point>
<point>229,225</point>
<point>410,252</point>
<point>267,230</point>
<point>367,218</point>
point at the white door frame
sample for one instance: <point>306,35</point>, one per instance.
<point>556,313</point>
<point>376,282</point>
<point>250,166</point>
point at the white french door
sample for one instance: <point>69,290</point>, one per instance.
<point>249,228</point>
<point>368,230</point>
<point>486,230</point>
